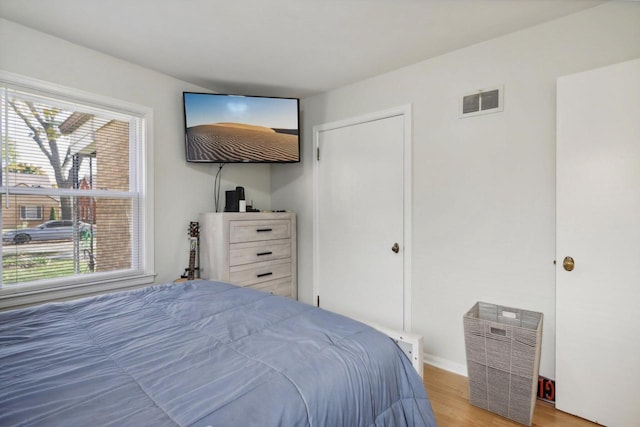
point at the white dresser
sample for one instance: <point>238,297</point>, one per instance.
<point>254,249</point>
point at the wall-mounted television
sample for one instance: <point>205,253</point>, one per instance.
<point>221,128</point>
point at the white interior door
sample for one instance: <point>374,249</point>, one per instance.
<point>360,218</point>
<point>598,225</point>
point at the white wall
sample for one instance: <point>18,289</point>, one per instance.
<point>484,187</point>
<point>182,189</point>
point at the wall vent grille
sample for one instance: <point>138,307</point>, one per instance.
<point>483,101</point>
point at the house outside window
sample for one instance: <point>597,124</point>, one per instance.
<point>75,201</point>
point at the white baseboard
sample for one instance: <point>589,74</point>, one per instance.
<point>445,364</point>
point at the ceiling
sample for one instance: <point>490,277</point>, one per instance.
<point>293,48</point>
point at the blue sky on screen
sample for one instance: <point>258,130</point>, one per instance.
<point>203,109</point>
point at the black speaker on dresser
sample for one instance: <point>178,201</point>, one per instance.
<point>233,199</point>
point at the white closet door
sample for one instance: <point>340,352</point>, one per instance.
<point>598,225</point>
<point>360,219</point>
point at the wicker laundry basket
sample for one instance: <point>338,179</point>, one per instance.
<point>503,359</point>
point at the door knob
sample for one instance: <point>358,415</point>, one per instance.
<point>395,248</point>
<point>568,263</point>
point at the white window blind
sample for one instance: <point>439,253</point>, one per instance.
<point>72,198</point>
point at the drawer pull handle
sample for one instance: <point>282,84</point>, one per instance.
<point>264,274</point>
<point>265,253</point>
<point>262,230</point>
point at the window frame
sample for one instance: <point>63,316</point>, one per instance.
<point>73,286</point>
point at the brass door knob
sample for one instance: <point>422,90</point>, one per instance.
<point>568,263</point>
<point>395,248</point>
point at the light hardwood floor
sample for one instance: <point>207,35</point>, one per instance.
<point>449,395</point>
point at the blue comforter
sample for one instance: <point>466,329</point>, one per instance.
<point>201,354</point>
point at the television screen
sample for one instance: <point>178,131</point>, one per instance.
<point>241,129</point>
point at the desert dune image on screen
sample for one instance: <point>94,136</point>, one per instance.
<point>225,128</point>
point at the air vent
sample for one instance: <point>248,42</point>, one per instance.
<point>483,101</point>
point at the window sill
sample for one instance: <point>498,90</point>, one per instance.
<point>16,297</point>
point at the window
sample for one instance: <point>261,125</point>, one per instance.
<point>30,212</point>
<point>73,189</point>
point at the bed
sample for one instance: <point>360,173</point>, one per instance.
<point>201,353</point>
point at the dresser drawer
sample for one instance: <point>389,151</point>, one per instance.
<point>280,287</point>
<point>246,253</point>
<point>250,274</point>
<point>259,230</point>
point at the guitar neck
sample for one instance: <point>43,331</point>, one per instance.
<point>193,247</point>
<point>192,265</point>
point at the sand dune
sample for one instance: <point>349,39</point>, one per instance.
<point>245,126</point>
<point>238,142</point>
